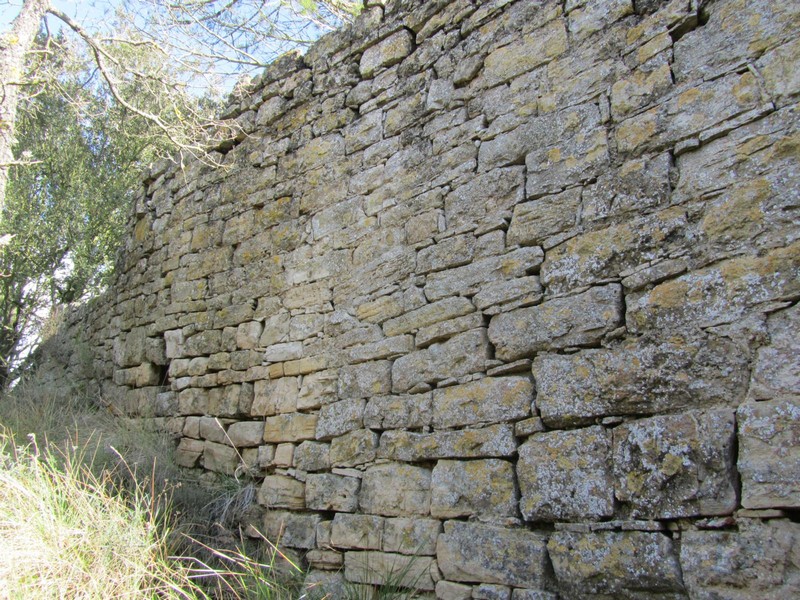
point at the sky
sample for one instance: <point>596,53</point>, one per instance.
<point>83,11</point>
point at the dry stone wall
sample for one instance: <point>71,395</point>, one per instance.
<point>500,293</point>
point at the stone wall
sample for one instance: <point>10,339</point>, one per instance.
<point>502,292</point>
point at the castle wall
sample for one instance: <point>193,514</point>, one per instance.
<point>502,291</point>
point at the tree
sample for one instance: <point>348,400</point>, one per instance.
<point>201,38</point>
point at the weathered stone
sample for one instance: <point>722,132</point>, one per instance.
<point>193,401</point>
<point>535,49</point>
<point>488,400</point>
<point>589,16</point>
<point>246,434</point>
<point>566,475</point>
<point>317,389</point>
<point>354,448</point>
<point>411,536</point>
<point>759,560</point>
<point>443,310</point>
<point>280,491</point>
<point>363,532</point>
<point>294,427</point>
<point>460,355</point>
<point>386,53</point>
<point>638,378</point>
<point>481,553</point>
<point>451,252</point>
<point>380,494</point>
<point>572,321</point>
<point>449,590</point>
<point>284,456</point>
<point>275,396</point>
<point>291,529</point>
<point>365,379</point>
<point>676,465</point>
<point>492,441</point>
<point>339,418</point>
<point>491,591</point>
<point>769,453</point>
<point>382,568</point>
<point>188,452</point>
<point>441,332</point>
<point>326,491</point>
<point>482,273</point>
<point>776,373</point>
<point>398,412</point>
<point>312,456</point>
<point>617,565</point>
<point>476,488</point>
<point>485,195</point>
<point>220,458</point>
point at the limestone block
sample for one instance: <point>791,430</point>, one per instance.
<point>304,296</point>
<point>676,465</point>
<point>522,594</point>
<point>275,396</point>
<point>291,529</point>
<point>759,561</point>
<point>533,50</point>
<point>391,347</point>
<point>484,196</point>
<point>721,293</point>
<point>386,53</point>
<point>628,564</point>
<point>213,430</point>
<point>597,255</point>
<point>354,448</point>
<point>193,401</point>
<point>220,458</point>
<point>571,321</point>
<point>233,315</point>
<point>380,494</point>
<point>469,552</point>
<point>447,254</point>
<point>365,379</point>
<point>776,373</point>
<point>566,475</point>
<point>362,532</point>
<point>317,389</point>
<point>326,491</point>
<point>399,412</point>
<point>441,332</point>
<point>364,132</point>
<point>488,400</point>
<point>246,434</point>
<point>460,355</point>
<point>639,377</point>
<point>305,326</point>
<point>189,452</point>
<point>769,453</point>
<point>481,488</point>
<point>294,427</point>
<point>522,291</point>
<point>642,87</point>
<point>379,568</point>
<point>281,491</point>
<point>449,590</point>
<point>492,441</point>
<point>779,69</point>
<point>174,343</point>
<point>482,273</point>
<point>203,343</point>
<point>491,591</point>
<point>411,536</point>
<point>429,314</point>
<point>283,352</point>
<point>276,330</point>
<point>312,456</point>
<point>339,418</point>
<point>589,16</point>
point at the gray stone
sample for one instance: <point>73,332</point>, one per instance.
<point>354,448</point>
<point>488,400</point>
<point>281,491</point>
<point>339,418</point>
<point>491,441</point>
<point>294,427</point>
<point>386,53</point>
<point>676,465</point>
<point>776,373</point>
<point>325,491</point>
<point>363,532</point>
<point>275,396</point>
<point>480,553</point>
<point>365,380</point>
<point>566,475</point>
<point>291,530</point>
<point>572,321</point>
<point>484,489</point>
<point>399,412</point>
<point>411,536</point>
<point>246,434</point>
<point>443,310</point>
<point>220,458</point>
<point>380,494</point>
<point>769,453</point>
<point>382,568</point>
<point>312,456</point>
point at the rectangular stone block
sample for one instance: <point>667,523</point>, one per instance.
<point>533,50</point>
<point>411,411</point>
<point>382,568</point>
<point>386,53</point>
<point>769,453</point>
<point>776,373</point>
<point>429,314</point>
<point>312,456</point>
<point>246,434</point>
<point>339,418</point>
<point>387,348</point>
<point>676,465</point>
<point>566,475</point>
<point>294,427</point>
<point>275,396</point>
<point>220,458</point>
<point>488,400</point>
<point>354,448</point>
<point>411,536</point>
<point>289,529</point>
<point>281,491</point>
<point>441,332</point>
<point>363,532</point>
<point>480,553</point>
<point>483,488</point>
<point>492,441</point>
<point>317,389</point>
<point>460,355</point>
<point>615,564</point>
<point>381,494</point>
<point>639,377</point>
<point>447,254</point>
<point>506,295</point>
<point>365,379</point>
<point>326,491</point>
<point>485,195</point>
<point>559,323</point>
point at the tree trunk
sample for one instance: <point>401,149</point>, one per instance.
<point>13,47</point>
